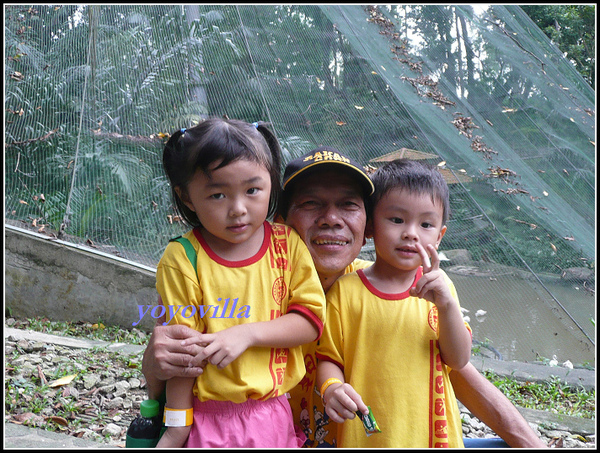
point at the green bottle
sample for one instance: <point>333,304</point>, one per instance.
<point>144,431</point>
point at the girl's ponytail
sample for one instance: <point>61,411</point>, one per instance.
<point>275,150</point>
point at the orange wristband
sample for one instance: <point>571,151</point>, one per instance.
<point>326,385</point>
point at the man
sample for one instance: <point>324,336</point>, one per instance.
<point>324,201</point>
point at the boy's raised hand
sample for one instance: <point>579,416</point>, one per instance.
<point>431,286</point>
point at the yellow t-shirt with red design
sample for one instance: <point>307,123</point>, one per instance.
<point>387,346</point>
<point>307,407</point>
<point>279,279</point>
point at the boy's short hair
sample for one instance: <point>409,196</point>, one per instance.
<point>414,176</point>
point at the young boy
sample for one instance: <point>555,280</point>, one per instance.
<point>393,328</point>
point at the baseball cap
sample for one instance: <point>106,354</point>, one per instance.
<point>322,157</point>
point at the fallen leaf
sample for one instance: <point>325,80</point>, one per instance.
<point>41,375</point>
<point>340,123</point>
<point>62,381</point>
<point>358,107</point>
<point>29,418</point>
<point>442,163</point>
<point>545,193</point>
<point>553,247</point>
<point>58,420</point>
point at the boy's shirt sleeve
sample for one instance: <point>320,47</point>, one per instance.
<point>331,345</point>
<point>177,285</point>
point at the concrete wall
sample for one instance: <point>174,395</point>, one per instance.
<point>63,282</point>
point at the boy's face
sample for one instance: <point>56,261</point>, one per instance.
<point>402,219</point>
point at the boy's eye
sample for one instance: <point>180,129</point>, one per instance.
<point>397,220</point>
<point>426,225</point>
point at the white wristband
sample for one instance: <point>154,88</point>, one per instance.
<point>178,417</point>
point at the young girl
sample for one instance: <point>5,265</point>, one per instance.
<point>251,289</point>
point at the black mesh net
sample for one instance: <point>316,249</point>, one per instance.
<point>92,91</point>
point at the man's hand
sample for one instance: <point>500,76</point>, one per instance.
<point>165,356</point>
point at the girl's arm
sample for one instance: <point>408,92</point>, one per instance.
<point>454,337</point>
<point>340,399</point>
<point>287,331</point>
<point>179,396</point>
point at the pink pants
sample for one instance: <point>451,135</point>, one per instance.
<point>252,424</point>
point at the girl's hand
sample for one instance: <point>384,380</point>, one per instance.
<point>343,402</point>
<point>223,347</point>
<point>432,286</point>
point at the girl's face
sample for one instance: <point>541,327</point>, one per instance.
<point>400,220</point>
<point>232,205</point>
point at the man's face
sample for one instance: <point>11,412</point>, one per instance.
<point>328,211</point>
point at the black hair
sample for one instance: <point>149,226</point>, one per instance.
<point>414,176</point>
<point>220,140</point>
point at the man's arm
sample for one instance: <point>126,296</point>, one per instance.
<point>165,357</point>
<point>488,404</point>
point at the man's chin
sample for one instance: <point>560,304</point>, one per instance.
<point>330,267</point>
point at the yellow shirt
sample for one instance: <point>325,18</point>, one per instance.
<point>387,346</point>
<point>279,279</point>
<point>307,407</point>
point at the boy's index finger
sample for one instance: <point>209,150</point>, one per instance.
<point>424,257</point>
<point>435,258</point>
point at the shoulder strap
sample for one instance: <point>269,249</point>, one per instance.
<point>189,250</point>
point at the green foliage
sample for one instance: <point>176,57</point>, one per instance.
<point>573,29</point>
<point>100,85</point>
<point>553,395</point>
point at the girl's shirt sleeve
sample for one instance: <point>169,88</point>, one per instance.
<point>177,285</point>
<point>305,292</point>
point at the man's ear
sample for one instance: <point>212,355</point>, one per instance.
<point>183,196</point>
<point>368,230</point>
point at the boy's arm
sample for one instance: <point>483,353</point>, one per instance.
<point>454,337</point>
<point>340,399</point>
<point>488,404</point>
<point>179,396</point>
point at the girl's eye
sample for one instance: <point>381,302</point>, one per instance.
<point>253,191</point>
<point>217,196</point>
